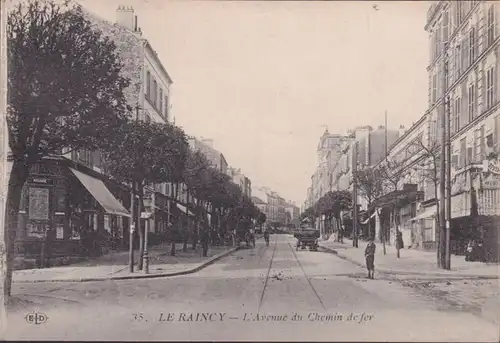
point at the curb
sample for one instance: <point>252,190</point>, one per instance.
<point>404,272</point>
<point>140,276</point>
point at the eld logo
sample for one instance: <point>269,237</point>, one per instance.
<point>36,318</point>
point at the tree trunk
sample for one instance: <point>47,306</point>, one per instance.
<point>140,206</point>
<point>18,175</point>
<point>172,248</point>
<point>185,235</point>
<point>382,234</point>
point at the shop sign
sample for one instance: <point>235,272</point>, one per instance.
<point>491,182</point>
<point>491,166</point>
<point>40,180</point>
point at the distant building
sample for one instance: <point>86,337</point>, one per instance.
<point>274,207</point>
<point>241,180</point>
<point>292,213</point>
<point>214,156</point>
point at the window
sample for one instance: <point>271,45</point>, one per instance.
<point>458,62</point>
<point>497,130</point>
<point>490,25</point>
<point>477,145</point>
<point>458,12</point>
<point>472,46</point>
<point>471,96</point>
<point>465,55</point>
<point>434,88</point>
<point>160,105</point>
<point>481,143</point>
<point>445,25</point>
<point>148,85</point>
<point>456,109</point>
<point>463,152</point>
<point>155,92</point>
<point>166,107</point>
<point>490,87</point>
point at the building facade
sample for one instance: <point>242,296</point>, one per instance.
<point>271,203</point>
<point>214,156</point>
<point>69,202</point>
<point>463,69</point>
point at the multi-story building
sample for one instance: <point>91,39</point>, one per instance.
<point>241,180</point>
<point>463,69</point>
<point>214,156</point>
<point>271,203</point>
<point>70,195</point>
<point>292,213</point>
<point>336,154</point>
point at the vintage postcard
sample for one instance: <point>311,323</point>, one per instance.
<point>250,170</point>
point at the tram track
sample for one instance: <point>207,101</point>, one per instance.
<point>261,300</point>
<point>307,277</point>
<point>303,272</point>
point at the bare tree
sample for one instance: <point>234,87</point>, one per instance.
<point>370,187</point>
<point>429,155</point>
<point>391,173</point>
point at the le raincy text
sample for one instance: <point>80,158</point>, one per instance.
<point>204,317</point>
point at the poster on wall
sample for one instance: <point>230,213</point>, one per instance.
<point>36,230</point>
<point>39,203</point>
<point>60,231</point>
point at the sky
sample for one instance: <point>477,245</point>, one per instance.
<point>264,79</point>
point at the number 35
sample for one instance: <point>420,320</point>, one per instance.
<point>138,316</point>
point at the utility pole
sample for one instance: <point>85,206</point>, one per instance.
<point>446,100</point>
<point>132,215</point>
<point>355,196</point>
<point>442,168</point>
<point>382,229</point>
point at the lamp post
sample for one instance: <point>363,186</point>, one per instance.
<point>355,196</point>
<point>145,256</point>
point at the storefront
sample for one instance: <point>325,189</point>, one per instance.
<point>394,213</point>
<point>67,210</point>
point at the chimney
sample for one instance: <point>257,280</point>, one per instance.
<point>402,130</point>
<point>209,142</point>
<point>125,18</point>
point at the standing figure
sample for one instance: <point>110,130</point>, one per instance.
<point>370,258</point>
<point>266,237</point>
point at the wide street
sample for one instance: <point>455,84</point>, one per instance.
<point>299,295</point>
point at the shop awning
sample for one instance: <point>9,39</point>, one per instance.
<point>184,209</point>
<point>366,221</point>
<point>101,193</point>
<point>428,213</point>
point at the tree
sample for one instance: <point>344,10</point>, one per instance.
<point>309,213</point>
<point>430,153</point>
<point>370,187</point>
<point>261,219</point>
<point>65,93</point>
<point>146,153</point>
<point>333,203</point>
<point>391,174</point>
<point>196,176</point>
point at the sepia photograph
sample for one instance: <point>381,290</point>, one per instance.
<point>250,170</point>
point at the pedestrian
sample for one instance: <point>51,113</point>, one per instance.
<point>370,257</point>
<point>205,238</point>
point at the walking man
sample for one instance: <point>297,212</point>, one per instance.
<point>370,257</point>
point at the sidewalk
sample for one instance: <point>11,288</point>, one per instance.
<point>114,266</point>
<point>411,261</point>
